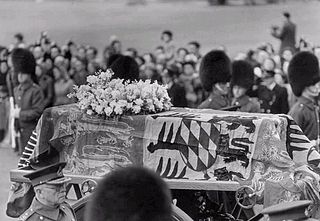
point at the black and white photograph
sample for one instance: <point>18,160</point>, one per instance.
<point>159,110</point>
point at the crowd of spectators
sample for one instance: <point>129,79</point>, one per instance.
<point>60,67</point>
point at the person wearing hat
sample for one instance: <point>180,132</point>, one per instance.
<point>287,34</point>
<point>168,45</point>
<point>241,81</point>
<point>50,192</point>
<point>273,98</point>
<point>215,74</point>
<point>130,194</point>
<point>124,67</point>
<point>28,96</point>
<point>304,78</point>
<point>296,210</point>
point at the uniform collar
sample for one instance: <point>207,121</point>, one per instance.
<point>26,85</point>
<point>307,102</point>
<point>222,100</point>
<point>46,211</point>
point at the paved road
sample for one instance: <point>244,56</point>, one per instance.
<point>93,22</point>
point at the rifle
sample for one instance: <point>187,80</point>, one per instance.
<point>13,123</point>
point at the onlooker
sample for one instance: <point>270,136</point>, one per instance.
<point>176,92</point>
<point>47,85</point>
<point>91,54</point>
<point>188,79</point>
<point>19,41</point>
<point>80,73</point>
<point>181,55</point>
<point>54,52</point>
<point>272,97</point>
<point>131,194</point>
<point>194,48</point>
<point>63,85</point>
<point>116,46</point>
<point>167,44</point>
<point>287,34</point>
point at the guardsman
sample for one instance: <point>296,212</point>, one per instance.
<point>130,194</point>
<point>28,96</point>
<point>50,192</point>
<point>242,81</point>
<point>215,74</point>
<point>286,211</point>
<point>304,78</point>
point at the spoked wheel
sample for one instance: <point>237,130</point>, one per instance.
<point>88,186</point>
<point>246,197</point>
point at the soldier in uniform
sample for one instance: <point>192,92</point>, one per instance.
<point>241,81</point>
<point>28,96</point>
<point>273,98</point>
<point>215,74</point>
<point>48,203</point>
<point>304,78</point>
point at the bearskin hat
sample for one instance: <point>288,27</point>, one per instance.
<point>125,67</point>
<point>242,74</point>
<point>215,68</point>
<point>303,71</point>
<point>23,61</point>
<point>130,193</point>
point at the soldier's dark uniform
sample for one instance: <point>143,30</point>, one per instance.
<point>40,212</point>
<point>28,96</point>
<point>215,101</point>
<point>51,175</point>
<point>305,112</point>
<point>247,104</point>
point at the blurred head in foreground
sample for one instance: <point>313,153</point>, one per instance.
<point>130,194</point>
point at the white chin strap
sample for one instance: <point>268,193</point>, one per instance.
<point>219,88</point>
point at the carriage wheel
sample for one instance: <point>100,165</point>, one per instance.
<point>246,197</point>
<point>88,186</point>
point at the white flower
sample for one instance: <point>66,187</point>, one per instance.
<point>89,111</point>
<point>136,109</point>
<point>113,104</point>
<point>129,105</point>
<point>101,95</point>
<point>99,109</point>
<point>138,101</point>
<point>118,110</point>
<point>108,111</point>
<point>122,103</point>
<point>92,79</point>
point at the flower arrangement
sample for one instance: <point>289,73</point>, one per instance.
<point>115,97</point>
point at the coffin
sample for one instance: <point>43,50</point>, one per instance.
<point>190,148</point>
